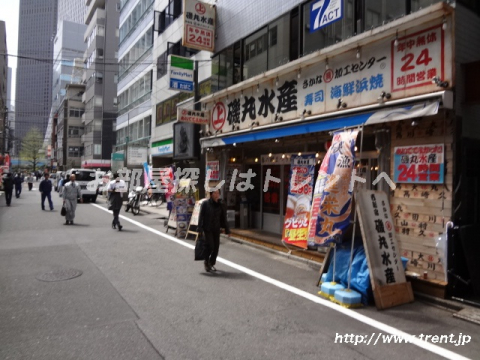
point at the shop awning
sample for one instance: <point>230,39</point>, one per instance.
<point>307,126</point>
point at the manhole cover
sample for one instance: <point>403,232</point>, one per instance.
<point>60,275</point>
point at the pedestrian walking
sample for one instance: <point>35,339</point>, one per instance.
<point>115,201</point>
<point>60,186</point>
<point>213,217</point>
<point>18,180</point>
<point>30,182</point>
<point>8,187</point>
<point>46,191</point>
<point>71,192</point>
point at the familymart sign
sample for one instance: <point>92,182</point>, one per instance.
<point>180,70</point>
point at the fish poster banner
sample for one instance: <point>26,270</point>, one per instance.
<point>332,198</point>
<point>299,200</point>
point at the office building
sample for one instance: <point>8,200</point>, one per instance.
<point>36,35</point>
<point>100,78</point>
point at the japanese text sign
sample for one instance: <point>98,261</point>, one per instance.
<point>299,200</point>
<point>193,116</point>
<point>418,58</point>
<point>214,167</point>
<point>356,77</point>
<point>383,252</point>
<point>332,200</point>
<point>199,25</point>
<point>419,164</point>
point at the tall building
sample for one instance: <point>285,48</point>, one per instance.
<point>71,10</point>
<point>135,55</point>
<point>3,86</point>
<point>100,78</point>
<point>36,35</point>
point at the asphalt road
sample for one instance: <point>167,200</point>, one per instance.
<point>141,296</point>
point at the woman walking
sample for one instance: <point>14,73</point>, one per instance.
<point>116,202</point>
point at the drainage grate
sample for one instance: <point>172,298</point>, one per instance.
<point>60,275</point>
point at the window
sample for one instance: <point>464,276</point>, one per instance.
<point>74,112</point>
<point>166,17</point>
<point>279,49</point>
<point>330,34</point>
<point>379,11</point>
<point>97,149</point>
<point>134,18</point>
<point>75,152</point>
<point>421,4</point>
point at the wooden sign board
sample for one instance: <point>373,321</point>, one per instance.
<point>387,275</point>
<point>194,220</point>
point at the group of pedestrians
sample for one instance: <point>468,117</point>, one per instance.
<point>70,191</point>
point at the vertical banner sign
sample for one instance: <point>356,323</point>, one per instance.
<point>180,72</point>
<point>379,238</point>
<point>332,199</point>
<point>325,12</point>
<point>199,28</point>
<point>299,200</point>
<point>419,164</point>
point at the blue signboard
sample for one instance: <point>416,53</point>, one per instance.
<point>325,12</point>
<point>181,85</point>
<point>421,164</point>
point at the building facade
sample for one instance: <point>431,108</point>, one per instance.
<point>71,10</point>
<point>4,89</point>
<point>135,79</point>
<point>69,128</point>
<point>283,80</point>
<point>101,78</point>
<point>33,99</point>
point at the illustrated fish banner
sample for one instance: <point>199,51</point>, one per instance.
<point>299,200</point>
<point>332,198</point>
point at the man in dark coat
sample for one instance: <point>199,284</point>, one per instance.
<point>213,216</point>
<point>18,180</point>
<point>8,187</point>
<point>115,201</point>
<point>46,191</point>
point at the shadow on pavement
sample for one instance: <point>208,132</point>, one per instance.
<point>227,275</point>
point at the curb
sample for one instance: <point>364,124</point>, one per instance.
<point>312,264</point>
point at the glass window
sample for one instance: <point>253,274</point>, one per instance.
<point>271,198</point>
<point>147,126</point>
<point>379,11</point>
<point>330,34</point>
<point>97,151</point>
<point>421,4</point>
<point>278,51</point>
<point>255,62</point>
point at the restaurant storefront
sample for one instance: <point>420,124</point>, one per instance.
<point>394,84</point>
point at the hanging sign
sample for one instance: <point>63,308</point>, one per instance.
<point>419,164</point>
<point>193,116</point>
<point>196,212</point>
<point>325,12</point>
<point>180,72</point>
<point>199,25</point>
<point>299,200</point>
<point>332,199</point>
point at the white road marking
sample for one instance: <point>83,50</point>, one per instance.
<point>314,298</point>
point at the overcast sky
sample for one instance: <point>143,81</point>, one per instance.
<point>9,14</point>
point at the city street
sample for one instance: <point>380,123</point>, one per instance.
<point>142,296</point>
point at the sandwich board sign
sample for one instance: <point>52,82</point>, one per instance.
<point>180,72</point>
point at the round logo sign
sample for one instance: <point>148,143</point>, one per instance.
<point>328,76</point>
<point>200,8</point>
<point>219,115</point>
<point>388,225</point>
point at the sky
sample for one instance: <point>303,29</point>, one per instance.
<point>9,13</point>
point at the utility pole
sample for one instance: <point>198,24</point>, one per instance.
<point>4,145</point>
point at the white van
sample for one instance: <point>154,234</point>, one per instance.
<point>86,178</point>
